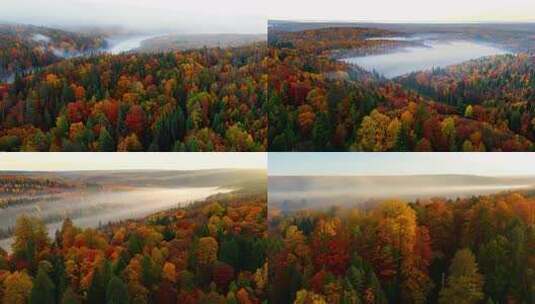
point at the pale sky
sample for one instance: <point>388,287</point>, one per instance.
<point>485,164</point>
<point>250,16</point>
<point>130,161</point>
<point>405,10</point>
<point>183,16</point>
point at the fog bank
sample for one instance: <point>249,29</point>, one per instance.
<point>91,209</point>
<point>300,192</point>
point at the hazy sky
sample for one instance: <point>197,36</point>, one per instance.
<point>405,10</point>
<point>250,16</point>
<point>130,161</point>
<point>488,164</point>
<point>186,16</point>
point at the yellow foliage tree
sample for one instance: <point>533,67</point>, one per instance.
<point>130,144</point>
<point>207,250</point>
<point>308,297</point>
<point>373,134</point>
<point>18,286</point>
<point>29,231</point>
<point>169,272</point>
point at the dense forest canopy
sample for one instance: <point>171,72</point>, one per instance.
<point>294,95</point>
<point>26,47</point>
<point>498,91</point>
<point>470,250</point>
<point>318,103</point>
<point>209,252</point>
<point>202,100</point>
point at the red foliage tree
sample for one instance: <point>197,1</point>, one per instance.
<point>333,254</point>
<point>77,111</point>
<point>222,274</point>
<point>135,119</point>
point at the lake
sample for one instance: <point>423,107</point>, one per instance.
<point>433,55</point>
<point>93,209</point>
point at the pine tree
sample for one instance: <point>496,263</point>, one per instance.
<point>229,252</point>
<point>70,297</point>
<point>150,271</point>
<point>105,141</point>
<point>97,290</point>
<point>43,291</point>
<point>464,284</point>
<point>402,142</point>
<point>117,292</point>
<point>375,286</point>
<point>135,244</point>
<point>321,132</point>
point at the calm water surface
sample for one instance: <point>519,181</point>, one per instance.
<point>94,209</point>
<point>435,54</point>
<point>125,44</point>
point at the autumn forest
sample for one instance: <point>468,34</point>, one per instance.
<point>182,240</point>
<point>87,99</point>
<point>314,87</point>
<point>361,87</point>
<point>259,175</point>
<point>361,231</point>
<point>476,250</point>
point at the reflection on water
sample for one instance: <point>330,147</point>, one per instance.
<point>92,210</point>
<point>121,45</point>
<point>435,54</point>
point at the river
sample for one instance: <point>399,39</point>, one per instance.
<point>123,44</point>
<point>94,209</point>
<point>116,45</point>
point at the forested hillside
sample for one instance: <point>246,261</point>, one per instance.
<point>498,90</point>
<point>318,103</point>
<point>25,47</point>
<point>471,250</point>
<point>209,252</point>
<point>199,100</point>
<point>295,95</point>
<point>19,190</point>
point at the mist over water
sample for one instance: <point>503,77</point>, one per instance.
<point>300,192</point>
<point>435,54</point>
<point>94,209</point>
<point>116,45</point>
<point>125,44</point>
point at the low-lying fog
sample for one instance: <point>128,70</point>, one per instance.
<point>121,44</point>
<point>154,42</point>
<point>92,209</point>
<point>434,54</point>
<point>300,192</point>
<point>116,45</point>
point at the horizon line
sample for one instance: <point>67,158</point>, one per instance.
<point>314,20</point>
<point>109,170</point>
<point>397,175</point>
